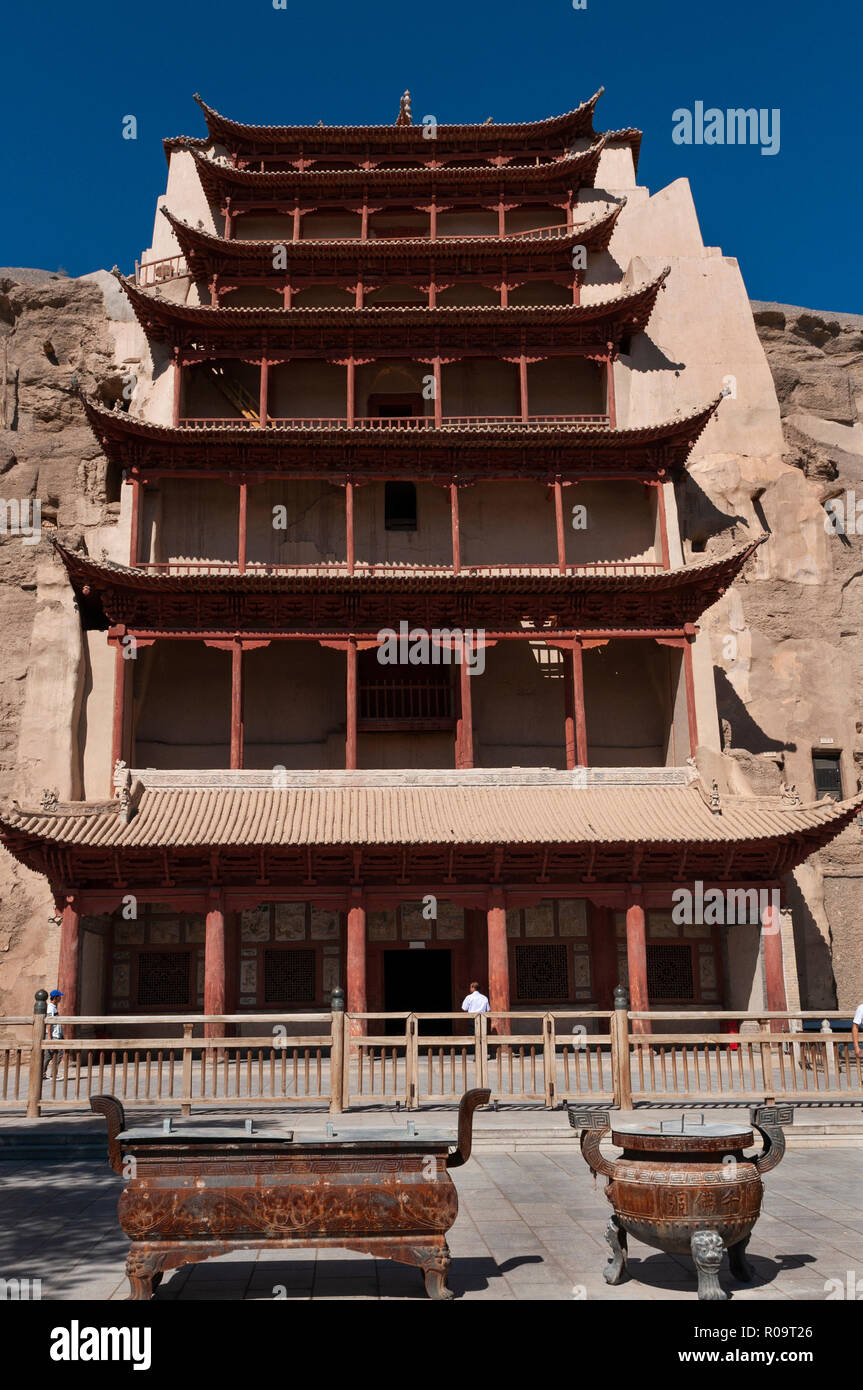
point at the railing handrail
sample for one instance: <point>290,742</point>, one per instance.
<point>396,422</point>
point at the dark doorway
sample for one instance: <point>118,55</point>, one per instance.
<point>420,982</point>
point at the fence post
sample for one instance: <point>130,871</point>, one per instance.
<point>831,1072</point>
<point>186,1094</point>
<point>481,1034</point>
<point>34,1084</point>
<point>548,1057</point>
<point>412,1062</point>
<point>337,1052</point>
<point>621,1081</point>
<point>767,1062</point>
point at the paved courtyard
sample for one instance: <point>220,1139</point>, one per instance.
<point>530,1226</point>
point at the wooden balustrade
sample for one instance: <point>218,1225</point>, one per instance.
<point>340,1060</point>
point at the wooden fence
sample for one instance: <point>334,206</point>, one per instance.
<point>348,1060</point>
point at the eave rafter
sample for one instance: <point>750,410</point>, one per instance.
<point>471,452</point>
<point>327,599</point>
<point>452,329</point>
<point>208,254</point>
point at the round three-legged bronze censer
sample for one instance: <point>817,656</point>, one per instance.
<point>684,1187</point>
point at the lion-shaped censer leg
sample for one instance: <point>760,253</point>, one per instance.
<point>707,1248</point>
<point>615,1271</point>
<point>740,1266</point>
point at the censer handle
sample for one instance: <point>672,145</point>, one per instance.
<point>768,1120</point>
<point>594,1125</point>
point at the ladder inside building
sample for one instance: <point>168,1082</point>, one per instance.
<point>235,392</point>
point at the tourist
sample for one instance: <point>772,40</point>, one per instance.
<point>855,1030</point>
<point>53,1011</point>
<point>475,1003</point>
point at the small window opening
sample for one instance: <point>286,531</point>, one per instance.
<point>400,506</point>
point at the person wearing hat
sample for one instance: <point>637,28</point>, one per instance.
<point>53,1011</point>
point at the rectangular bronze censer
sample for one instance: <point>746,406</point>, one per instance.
<point>197,1192</point>
<point>684,1187</point>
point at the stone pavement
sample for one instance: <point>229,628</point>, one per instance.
<point>530,1226</point>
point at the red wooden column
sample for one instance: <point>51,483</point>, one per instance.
<point>611,405</point>
<point>242,525</point>
<point>559,527</point>
<point>237,705</point>
<point>522,386</point>
<point>501,218</point>
<point>464,725</point>
<point>578,704</point>
<point>178,388</point>
<point>663,525</point>
<point>433,220</point>
<point>135,533</point>
<point>364,220</point>
<point>356,966</point>
<point>349,525</point>
<point>689,676</point>
<point>297,215</point>
<point>118,731</point>
<point>351,708</point>
<point>774,969</point>
<point>214,963</point>
<point>438,403</point>
<point>67,967</point>
<point>456,534</point>
<point>569,712</point>
<point>287,293</point>
<point>262,407</point>
<point>636,950</point>
<point>498,957</point>
<point>229,220</point>
<point>350,392</point>
<point>603,955</point>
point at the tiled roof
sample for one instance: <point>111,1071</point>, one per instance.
<point>630,306</point>
<point>456,811</point>
<point>579,120</point>
<point>596,229</point>
<point>404,577</point>
<point>580,166</point>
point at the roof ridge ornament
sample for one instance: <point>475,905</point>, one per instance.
<point>790,795</point>
<point>49,800</point>
<point>405,117</point>
<point>715,802</point>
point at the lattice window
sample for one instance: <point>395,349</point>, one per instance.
<point>163,979</point>
<point>541,973</point>
<point>669,972</point>
<point>289,977</point>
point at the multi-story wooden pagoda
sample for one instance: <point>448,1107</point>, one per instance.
<point>381,398</point>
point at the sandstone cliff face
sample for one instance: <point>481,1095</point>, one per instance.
<point>53,331</point>
<point>785,642</point>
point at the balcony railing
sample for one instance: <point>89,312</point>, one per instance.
<point>148,273</point>
<point>401,422</point>
<point>389,568</point>
<point>156,272</point>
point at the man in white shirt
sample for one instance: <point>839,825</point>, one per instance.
<point>55,1030</point>
<point>855,1030</point>
<point>475,1003</point>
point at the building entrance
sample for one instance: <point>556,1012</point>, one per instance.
<point>418,981</point>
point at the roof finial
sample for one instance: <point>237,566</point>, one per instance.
<point>404,117</point>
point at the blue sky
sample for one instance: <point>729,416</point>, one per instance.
<point>80,196</point>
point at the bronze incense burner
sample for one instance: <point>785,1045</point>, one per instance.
<point>198,1192</point>
<point>684,1187</point>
